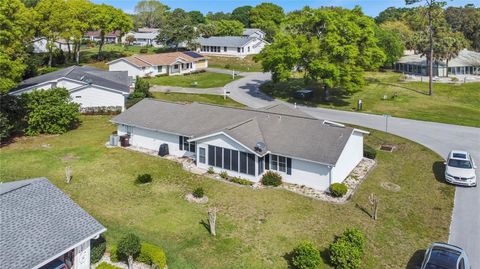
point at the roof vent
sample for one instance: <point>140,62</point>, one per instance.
<point>260,146</point>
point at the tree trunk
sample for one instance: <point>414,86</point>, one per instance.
<point>446,66</point>
<point>430,63</point>
<point>212,219</point>
<point>69,57</point>
<point>102,40</point>
<point>130,262</point>
<point>327,93</point>
<point>77,52</point>
<point>50,56</point>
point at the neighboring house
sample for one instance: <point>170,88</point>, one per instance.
<point>254,32</point>
<point>40,224</point>
<point>40,45</point>
<point>170,63</point>
<point>143,37</point>
<point>88,86</point>
<point>466,63</point>
<point>247,142</point>
<point>112,37</point>
<point>238,46</point>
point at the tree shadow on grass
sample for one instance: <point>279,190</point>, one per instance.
<point>364,209</point>
<point>206,225</point>
<point>416,260</point>
<point>288,257</point>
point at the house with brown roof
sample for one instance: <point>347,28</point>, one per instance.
<point>149,65</point>
<point>112,37</point>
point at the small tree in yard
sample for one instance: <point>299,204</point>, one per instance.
<point>130,39</point>
<point>129,247</point>
<point>50,112</point>
<point>212,220</point>
<point>306,256</point>
<point>373,200</point>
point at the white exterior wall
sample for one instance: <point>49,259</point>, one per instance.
<point>68,84</point>
<point>123,65</point>
<point>95,97</point>
<point>152,140</point>
<point>233,51</point>
<point>310,174</point>
<point>82,256</point>
<point>351,155</point>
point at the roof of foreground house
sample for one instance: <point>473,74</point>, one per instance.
<point>168,58</point>
<point>117,80</point>
<point>464,58</point>
<point>283,130</point>
<point>39,223</point>
<point>225,41</point>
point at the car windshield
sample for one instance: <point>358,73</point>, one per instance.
<point>460,163</point>
<point>443,258</point>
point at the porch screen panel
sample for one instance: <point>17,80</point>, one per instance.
<point>235,160</point>
<point>226,159</point>
<point>211,155</point>
<point>218,157</point>
<point>274,162</point>
<point>251,164</point>
<point>260,165</point>
<point>267,162</point>
<point>243,162</point>
<point>289,166</point>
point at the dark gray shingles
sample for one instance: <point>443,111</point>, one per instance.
<point>284,133</point>
<point>225,41</point>
<point>39,221</point>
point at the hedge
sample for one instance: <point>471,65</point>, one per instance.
<point>369,152</point>
<point>338,189</point>
<point>306,256</point>
<point>97,249</point>
<point>105,265</point>
<point>152,255</point>
<point>271,178</point>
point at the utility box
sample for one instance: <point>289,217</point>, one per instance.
<point>125,140</point>
<point>163,150</point>
<point>114,139</point>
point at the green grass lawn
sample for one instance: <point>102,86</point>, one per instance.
<point>450,103</point>
<point>255,228</point>
<point>200,98</point>
<point>246,64</point>
<point>203,79</point>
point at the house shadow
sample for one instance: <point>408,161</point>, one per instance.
<point>438,169</point>
<point>416,260</point>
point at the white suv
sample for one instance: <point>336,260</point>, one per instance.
<point>460,169</point>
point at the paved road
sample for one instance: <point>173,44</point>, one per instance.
<point>158,88</point>
<point>441,138</point>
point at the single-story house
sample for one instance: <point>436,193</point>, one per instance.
<point>40,45</point>
<point>41,225</point>
<point>246,142</point>
<point>237,46</point>
<point>90,87</point>
<point>466,63</point>
<point>254,32</point>
<point>143,37</point>
<point>170,63</point>
<point>112,37</point>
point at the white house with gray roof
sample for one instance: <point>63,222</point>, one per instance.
<point>246,142</point>
<point>90,87</point>
<point>465,63</point>
<point>237,46</point>
<point>41,225</point>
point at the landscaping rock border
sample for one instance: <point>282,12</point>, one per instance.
<point>192,199</point>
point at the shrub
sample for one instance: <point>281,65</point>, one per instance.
<point>198,193</point>
<point>271,178</point>
<point>144,178</point>
<point>105,265</point>
<point>97,249</point>
<point>224,174</point>
<point>210,170</point>
<point>338,189</point>
<point>306,256</point>
<point>347,250</point>
<point>143,50</point>
<point>454,79</point>
<point>241,181</point>
<point>51,112</point>
<point>129,246</point>
<point>369,152</point>
<point>152,255</point>
<point>114,256</point>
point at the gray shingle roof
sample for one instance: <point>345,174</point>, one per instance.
<point>250,31</point>
<point>464,58</point>
<point>285,131</point>
<point>225,41</point>
<point>117,80</point>
<point>38,221</point>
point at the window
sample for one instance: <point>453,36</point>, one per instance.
<point>211,155</point>
<point>218,157</point>
<point>274,162</point>
<point>183,144</point>
<point>243,162</point>
<point>180,142</point>
<point>160,67</point>
<point>78,96</point>
<point>267,162</point>
<point>234,160</point>
<point>225,49</point>
<point>238,50</point>
<point>242,50</point>
<point>248,49</point>
<point>289,166</point>
<point>282,164</point>
<point>175,66</point>
<point>201,155</point>
<point>260,165</point>
<point>226,159</point>
<point>251,164</point>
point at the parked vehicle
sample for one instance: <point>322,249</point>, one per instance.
<point>460,169</point>
<point>445,256</point>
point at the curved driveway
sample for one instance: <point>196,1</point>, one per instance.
<point>441,138</point>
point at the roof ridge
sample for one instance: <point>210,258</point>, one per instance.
<point>140,59</point>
